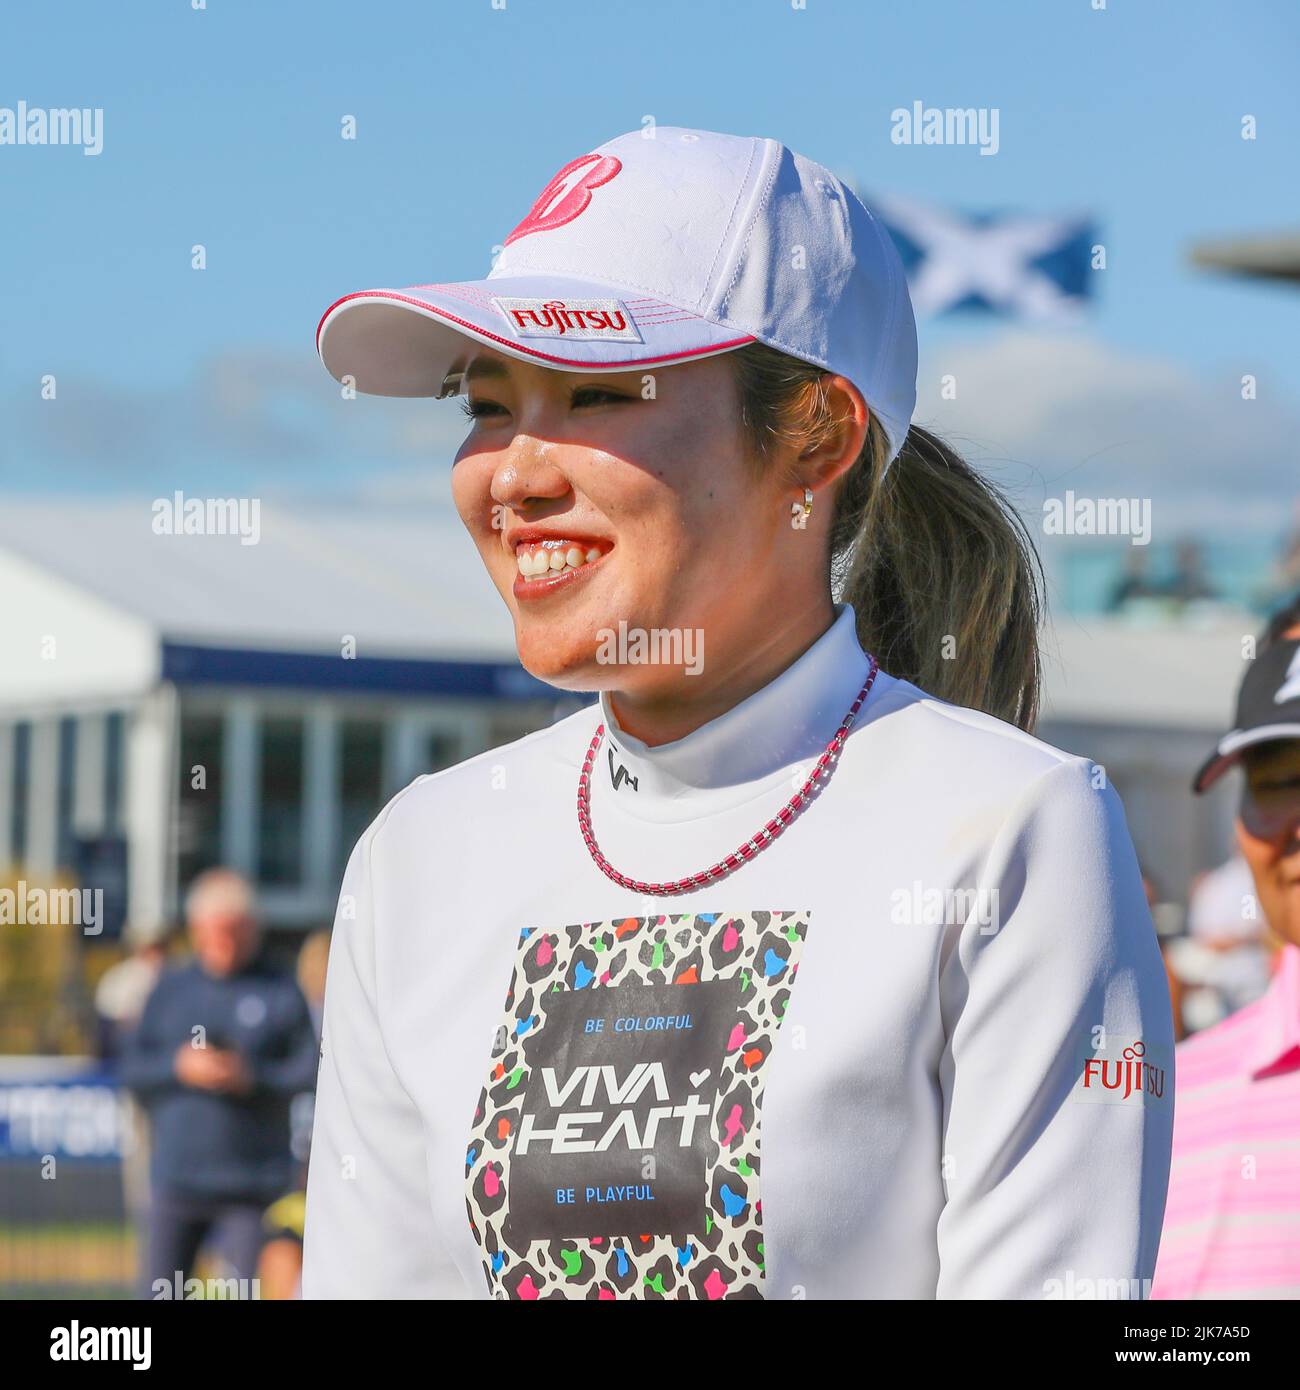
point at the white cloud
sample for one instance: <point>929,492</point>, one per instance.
<point>1049,412</point>
<point>244,417</point>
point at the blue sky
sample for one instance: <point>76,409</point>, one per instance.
<point>221,127</point>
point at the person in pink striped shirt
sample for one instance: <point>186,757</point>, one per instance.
<point>1232,1216</point>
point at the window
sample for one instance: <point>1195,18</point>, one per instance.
<point>515,724</point>
<point>114,734</point>
<point>280,799</point>
<point>198,815</point>
<point>67,778</point>
<point>22,775</point>
<point>361,792</point>
<point>441,750</point>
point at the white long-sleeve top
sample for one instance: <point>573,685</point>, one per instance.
<point>920,1046</point>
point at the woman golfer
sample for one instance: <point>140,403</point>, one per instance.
<point>792,967</point>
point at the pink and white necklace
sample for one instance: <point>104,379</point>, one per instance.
<point>746,851</point>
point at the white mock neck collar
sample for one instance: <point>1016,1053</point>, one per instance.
<point>745,750</point>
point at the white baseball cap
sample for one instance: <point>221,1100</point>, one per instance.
<point>659,246</point>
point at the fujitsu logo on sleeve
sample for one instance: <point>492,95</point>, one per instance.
<point>569,318</point>
<point>1133,1076</point>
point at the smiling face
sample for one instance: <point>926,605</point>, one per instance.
<point>633,494</point>
<point>1268,831</point>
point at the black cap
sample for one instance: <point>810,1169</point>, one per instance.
<point>1268,707</point>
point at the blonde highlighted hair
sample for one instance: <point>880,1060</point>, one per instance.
<point>942,574</point>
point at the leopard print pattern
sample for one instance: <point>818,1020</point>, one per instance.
<point>723,1256</point>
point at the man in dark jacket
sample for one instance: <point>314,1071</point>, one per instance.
<point>223,1046</point>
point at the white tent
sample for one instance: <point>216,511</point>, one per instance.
<point>331,611</point>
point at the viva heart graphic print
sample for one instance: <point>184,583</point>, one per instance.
<point>615,1149</point>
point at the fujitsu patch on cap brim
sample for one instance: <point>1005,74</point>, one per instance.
<point>1231,746</point>
<point>408,342</point>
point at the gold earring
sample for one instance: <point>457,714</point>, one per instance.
<point>807,502</point>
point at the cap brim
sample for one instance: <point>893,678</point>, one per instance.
<point>407,342</point>
<point>1231,746</point>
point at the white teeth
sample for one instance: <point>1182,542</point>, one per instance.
<point>534,563</point>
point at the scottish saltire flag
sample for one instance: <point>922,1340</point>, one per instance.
<point>1037,268</point>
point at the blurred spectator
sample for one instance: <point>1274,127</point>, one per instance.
<point>1223,961</point>
<point>1233,1207</point>
<point>223,1045</point>
<point>1284,580</point>
<point>1135,582</point>
<point>1168,594</point>
<point>1166,933</point>
<point>122,992</point>
<point>313,957</point>
<point>279,1271</point>
<point>120,998</point>
<point>1188,582</point>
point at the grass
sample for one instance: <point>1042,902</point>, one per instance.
<point>67,1261</point>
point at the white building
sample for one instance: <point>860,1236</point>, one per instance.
<point>1148,701</point>
<point>254,705</point>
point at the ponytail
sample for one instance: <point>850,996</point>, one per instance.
<point>942,574</point>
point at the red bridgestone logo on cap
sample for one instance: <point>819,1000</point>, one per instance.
<point>567,194</point>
